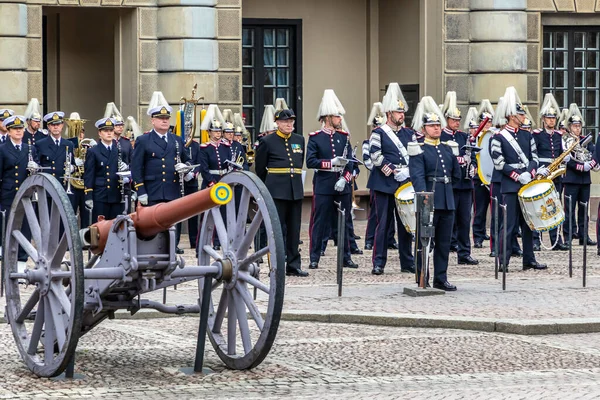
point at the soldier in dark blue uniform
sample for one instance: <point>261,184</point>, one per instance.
<point>481,192</point>
<point>158,160</point>
<point>515,155</point>
<point>433,168</point>
<point>214,155</point>
<point>238,150</point>
<point>34,120</point>
<point>4,114</point>
<point>577,180</point>
<point>463,188</point>
<point>390,171</point>
<point>15,166</point>
<point>54,151</point>
<point>112,111</point>
<point>279,161</point>
<point>328,152</point>
<point>102,183</point>
<point>548,142</point>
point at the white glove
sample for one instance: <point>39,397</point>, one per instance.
<point>543,171</point>
<point>567,158</point>
<point>182,168</point>
<point>72,168</point>
<point>340,185</point>
<point>143,199</point>
<point>189,176</point>
<point>134,196</point>
<point>402,174</point>
<point>467,159</point>
<point>123,167</point>
<point>33,165</point>
<point>78,162</point>
<point>93,143</point>
<point>587,166</point>
<point>472,171</point>
<point>126,180</point>
<point>338,162</point>
<point>89,204</point>
<point>525,178</point>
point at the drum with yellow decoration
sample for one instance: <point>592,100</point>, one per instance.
<point>405,204</point>
<point>541,206</point>
<point>485,164</point>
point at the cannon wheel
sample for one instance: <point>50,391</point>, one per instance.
<point>53,290</point>
<point>251,326</point>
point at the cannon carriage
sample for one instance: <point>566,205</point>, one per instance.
<point>51,304</point>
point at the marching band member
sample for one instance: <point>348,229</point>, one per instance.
<point>514,153</point>
<point>14,169</point>
<point>279,161</point>
<point>159,158</point>
<point>577,180</point>
<point>390,170</point>
<point>375,120</point>
<point>481,192</point>
<point>112,111</point>
<point>463,188</point>
<point>214,154</point>
<point>4,114</point>
<point>237,149</point>
<point>34,119</point>
<point>548,142</point>
<point>328,151</point>
<point>78,196</point>
<point>102,183</point>
<point>53,149</point>
<point>434,167</point>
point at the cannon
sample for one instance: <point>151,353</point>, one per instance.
<point>51,305</point>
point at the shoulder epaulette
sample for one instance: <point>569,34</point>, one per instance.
<point>536,131</point>
<point>414,148</point>
<point>343,132</point>
<point>314,133</point>
<point>204,144</point>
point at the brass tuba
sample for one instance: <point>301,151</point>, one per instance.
<point>74,127</point>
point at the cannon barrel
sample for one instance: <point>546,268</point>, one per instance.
<point>148,221</point>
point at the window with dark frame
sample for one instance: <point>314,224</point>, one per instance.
<point>271,68</point>
<point>571,70</point>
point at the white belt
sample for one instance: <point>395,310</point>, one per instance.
<point>517,165</point>
<point>548,160</point>
<point>333,169</point>
<point>220,172</point>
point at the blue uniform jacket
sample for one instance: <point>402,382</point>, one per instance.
<point>31,138</point>
<point>435,161</point>
<point>575,173</point>
<point>54,156</point>
<point>126,149</point>
<point>153,166</point>
<point>462,138</point>
<point>240,151</point>
<point>504,155</point>
<point>212,158</point>
<point>100,177</point>
<point>323,146</point>
<point>386,157</point>
<point>548,144</point>
<point>13,170</point>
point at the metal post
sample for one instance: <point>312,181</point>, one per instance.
<point>504,236</point>
<point>496,246</point>
<point>341,225</point>
<point>585,239</point>
<point>204,306</point>
<point>90,220</point>
<point>570,237</point>
<point>3,212</point>
<point>70,371</point>
<point>416,246</point>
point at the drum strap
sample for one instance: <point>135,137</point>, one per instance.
<point>394,138</point>
<point>515,145</point>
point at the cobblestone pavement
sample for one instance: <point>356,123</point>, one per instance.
<point>141,359</point>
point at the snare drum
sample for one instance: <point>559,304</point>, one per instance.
<point>405,204</point>
<point>541,206</point>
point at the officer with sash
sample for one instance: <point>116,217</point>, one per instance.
<point>279,161</point>
<point>102,183</point>
<point>328,152</point>
<point>159,158</point>
<point>463,188</point>
<point>515,156</point>
<point>34,119</point>
<point>549,145</point>
<point>434,167</point>
<point>577,180</point>
<point>390,171</point>
<point>15,166</point>
<point>481,192</point>
<point>4,114</point>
